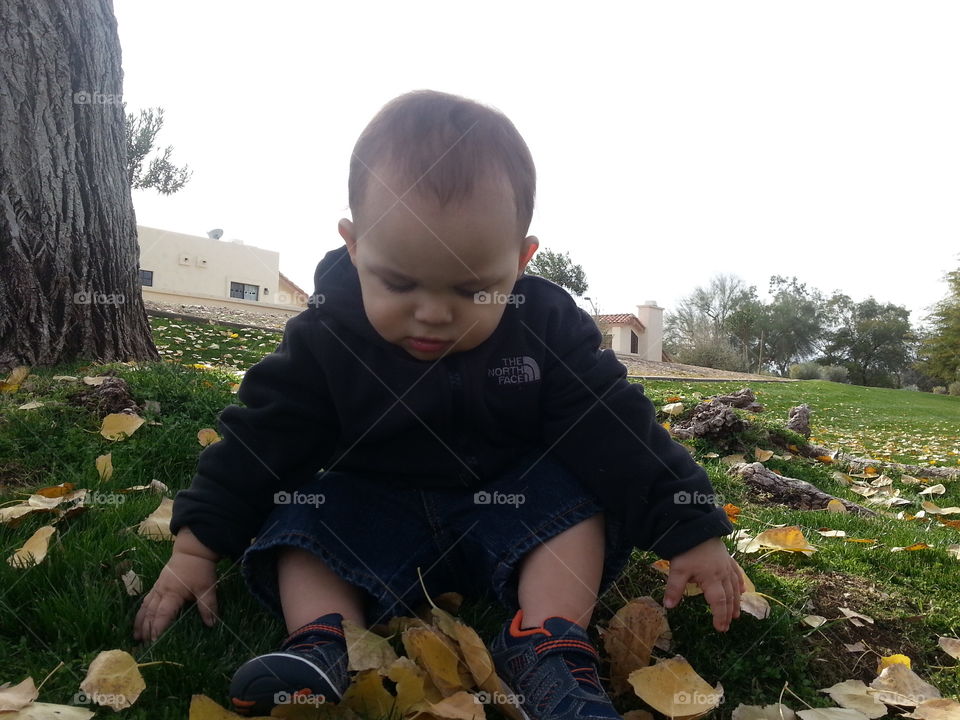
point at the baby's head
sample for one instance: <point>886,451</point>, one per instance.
<point>441,192</point>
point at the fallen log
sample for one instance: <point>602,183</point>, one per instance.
<point>859,464</point>
<point>788,491</point>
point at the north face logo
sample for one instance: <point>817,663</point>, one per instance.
<point>515,370</point>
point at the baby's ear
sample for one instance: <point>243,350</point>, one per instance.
<point>345,228</point>
<point>529,248</point>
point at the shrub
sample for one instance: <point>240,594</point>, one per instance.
<point>939,390</point>
<point>954,387</point>
<point>835,373</point>
<point>805,371</point>
<point>912,388</point>
<point>712,353</point>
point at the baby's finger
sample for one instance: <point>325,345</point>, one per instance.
<point>676,584</point>
<point>207,605</point>
<point>140,621</point>
<point>165,612</point>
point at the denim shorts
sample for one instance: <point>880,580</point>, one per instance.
<point>376,534</point>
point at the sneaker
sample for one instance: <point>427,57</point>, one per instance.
<point>551,670</point>
<point>309,668</point>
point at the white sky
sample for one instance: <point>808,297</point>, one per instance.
<point>673,141</point>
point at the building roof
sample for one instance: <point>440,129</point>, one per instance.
<point>620,319</point>
<point>296,287</point>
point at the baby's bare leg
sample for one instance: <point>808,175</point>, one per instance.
<point>309,589</point>
<point>562,576</point>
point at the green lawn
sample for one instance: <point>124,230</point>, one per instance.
<point>73,604</point>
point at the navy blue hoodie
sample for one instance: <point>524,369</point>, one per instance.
<point>335,395</point>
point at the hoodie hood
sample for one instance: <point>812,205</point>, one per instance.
<point>337,295</point>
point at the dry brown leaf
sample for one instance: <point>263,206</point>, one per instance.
<point>778,711</point>
<point>18,696</point>
<point>855,695</point>
<point>789,538</point>
<point>95,381</point>
<point>855,617</point>
<point>113,680</point>
<point>899,685</point>
<point>34,550</point>
<point>49,711</point>
<point>951,646</point>
<point>831,714</point>
<point>663,566</point>
<point>915,546</point>
<point>826,532</point>
<point>762,455</point>
<point>413,685</point>
<point>733,459</point>
<point>156,525</point>
<point>131,583</point>
<point>814,621</point>
<point>459,706</point>
<point>935,509</point>
<point>937,709</point>
<point>672,409</point>
<point>630,637</point>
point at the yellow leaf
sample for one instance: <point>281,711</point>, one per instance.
<point>117,426</point>
<point>666,425</point>
<point>113,680</point>
<point>439,658</point>
<point>207,436</point>
<point>366,650</point>
<point>788,538</point>
<point>14,379</point>
<point>915,546</point>
<point>34,550</point>
<point>673,688</point>
<point>662,565</point>
<point>732,512</point>
<point>367,695</point>
<point>105,466</point>
<point>836,506</point>
<point>156,525</point>
<point>825,459</point>
<point>55,491</point>
<point>410,680</point>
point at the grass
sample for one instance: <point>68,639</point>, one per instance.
<point>73,604</point>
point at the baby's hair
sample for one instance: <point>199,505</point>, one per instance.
<point>443,143</point>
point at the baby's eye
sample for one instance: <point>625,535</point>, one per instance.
<point>469,293</point>
<point>397,288</point>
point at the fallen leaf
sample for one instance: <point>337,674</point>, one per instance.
<point>113,680</point>
<point>936,709</point>
<point>156,525</point>
<point>630,637</point>
<point>779,711</point>
<point>951,646</point>
<point>34,550</point>
<point>673,688</point>
<point>855,695</point>
<point>18,696</point>
<point>762,455</point>
<point>673,409</point>
<point>207,436</point>
<point>131,583</point>
<point>888,660</point>
<point>836,506</point>
<point>899,685</point>
<point>104,465</point>
<point>366,650</point>
<point>14,379</point>
<point>937,489</point>
<point>118,426</point>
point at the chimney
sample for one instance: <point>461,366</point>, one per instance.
<point>651,316</point>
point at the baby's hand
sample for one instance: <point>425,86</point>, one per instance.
<point>710,566</point>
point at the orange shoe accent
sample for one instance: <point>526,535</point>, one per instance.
<point>242,703</point>
<point>515,630</point>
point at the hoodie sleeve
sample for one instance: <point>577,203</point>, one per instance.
<point>604,429</point>
<point>284,432</point>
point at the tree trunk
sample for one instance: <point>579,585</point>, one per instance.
<point>70,285</point>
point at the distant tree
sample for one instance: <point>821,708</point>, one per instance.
<point>940,350</point>
<point>792,323</point>
<point>559,269</point>
<point>702,316</point>
<point>161,174</point>
<point>873,341</point>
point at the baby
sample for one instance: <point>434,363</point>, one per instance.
<point>437,421</point>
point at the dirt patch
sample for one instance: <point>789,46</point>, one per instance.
<point>651,370</point>
<point>889,633</point>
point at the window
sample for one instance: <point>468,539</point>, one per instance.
<point>634,343</point>
<point>243,291</point>
<point>146,278</point>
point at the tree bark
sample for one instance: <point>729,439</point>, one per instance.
<point>792,492</point>
<point>70,285</point>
